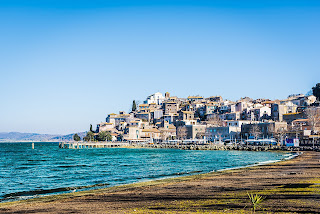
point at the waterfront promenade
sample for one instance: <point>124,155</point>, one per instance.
<point>290,186</point>
<point>204,146</point>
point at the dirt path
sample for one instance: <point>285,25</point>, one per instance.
<point>288,187</point>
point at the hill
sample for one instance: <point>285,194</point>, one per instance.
<point>17,136</point>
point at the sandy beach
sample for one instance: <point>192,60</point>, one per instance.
<point>291,186</point>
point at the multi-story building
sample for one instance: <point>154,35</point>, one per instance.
<point>170,108</point>
<point>157,98</point>
<point>222,133</point>
<point>195,131</point>
<point>269,129</point>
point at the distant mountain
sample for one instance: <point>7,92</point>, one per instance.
<point>309,93</point>
<point>17,136</point>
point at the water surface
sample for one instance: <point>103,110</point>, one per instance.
<point>27,172</point>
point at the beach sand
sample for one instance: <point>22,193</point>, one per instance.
<point>291,186</point>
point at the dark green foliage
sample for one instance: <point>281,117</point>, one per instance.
<point>76,137</point>
<point>316,91</point>
<point>109,137</point>
<point>103,136</point>
<point>134,105</point>
<point>91,128</point>
<point>89,137</point>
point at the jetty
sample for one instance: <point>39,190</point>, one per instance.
<point>90,145</point>
<point>193,146</point>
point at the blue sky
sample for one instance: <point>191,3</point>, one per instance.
<point>66,64</point>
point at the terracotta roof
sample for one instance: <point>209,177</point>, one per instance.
<point>301,120</point>
<point>198,97</point>
<point>292,113</point>
<point>187,112</point>
<point>150,130</point>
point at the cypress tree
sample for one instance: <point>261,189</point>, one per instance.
<point>134,105</point>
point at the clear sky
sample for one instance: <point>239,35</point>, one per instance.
<point>65,64</point>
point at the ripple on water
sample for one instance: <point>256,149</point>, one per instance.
<point>50,170</point>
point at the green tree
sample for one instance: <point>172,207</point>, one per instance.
<point>91,128</point>
<point>102,136</point>
<point>316,91</point>
<point>134,105</point>
<point>89,136</point>
<point>76,137</point>
<point>109,137</point>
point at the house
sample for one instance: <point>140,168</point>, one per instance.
<point>132,133</point>
<point>156,115</point>
<point>301,124</point>
<point>102,127</point>
<point>136,123</point>
<point>216,99</point>
<point>261,112</point>
<point>122,126</point>
<point>170,108</point>
<point>171,118</point>
<point>195,131</point>
<point>289,117</point>
<point>241,106</point>
<point>285,107</point>
<point>269,129</point>
<point>150,133</point>
<point>116,119</point>
<point>145,116</point>
<point>168,132</point>
<point>232,116</point>
<point>157,98</point>
<point>238,123</point>
<point>211,108</point>
<point>194,98</point>
<point>144,108</point>
<point>186,115</point>
<point>222,133</point>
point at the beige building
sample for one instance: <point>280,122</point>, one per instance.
<point>186,115</point>
<point>150,133</point>
<point>264,130</point>
<point>102,127</point>
<point>171,108</point>
<point>194,131</point>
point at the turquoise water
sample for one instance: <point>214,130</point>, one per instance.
<point>26,173</point>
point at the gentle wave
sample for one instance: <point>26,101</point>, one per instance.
<point>49,170</point>
<point>30,194</point>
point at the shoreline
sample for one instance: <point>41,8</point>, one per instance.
<point>126,191</point>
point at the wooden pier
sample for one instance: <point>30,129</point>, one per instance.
<point>90,145</point>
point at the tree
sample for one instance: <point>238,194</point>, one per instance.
<point>280,134</point>
<point>91,128</point>
<point>104,136</point>
<point>316,91</point>
<point>214,121</point>
<point>134,106</point>
<point>255,131</point>
<point>76,137</point>
<point>271,129</point>
<point>200,135</point>
<point>313,115</point>
<point>89,136</point>
<point>182,132</point>
<point>109,137</point>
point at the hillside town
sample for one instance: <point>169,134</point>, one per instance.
<point>167,118</point>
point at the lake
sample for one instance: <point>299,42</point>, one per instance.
<point>27,172</point>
